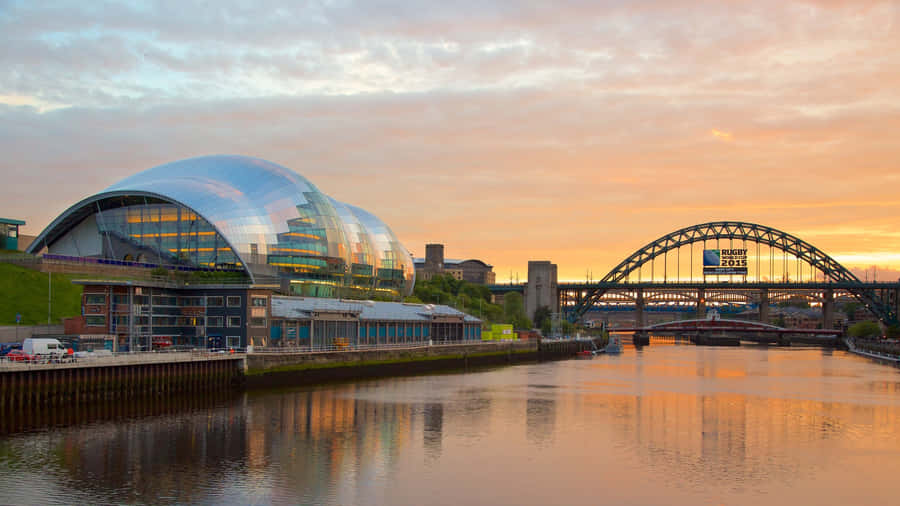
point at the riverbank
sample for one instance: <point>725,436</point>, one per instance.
<point>125,376</point>
<point>266,370</point>
<point>879,350</point>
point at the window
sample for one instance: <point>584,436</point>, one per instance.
<point>234,301</point>
<point>214,301</point>
<point>190,302</point>
<point>164,321</point>
<point>190,321</point>
<point>95,321</point>
<point>121,321</point>
<point>259,302</point>
<point>233,341</point>
<point>95,299</point>
<point>160,300</point>
<point>120,299</point>
<point>258,322</point>
<point>215,321</point>
<point>234,321</point>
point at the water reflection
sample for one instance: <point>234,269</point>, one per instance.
<point>675,425</point>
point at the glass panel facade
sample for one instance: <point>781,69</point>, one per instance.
<point>163,233</point>
<point>394,269</point>
<point>242,213</point>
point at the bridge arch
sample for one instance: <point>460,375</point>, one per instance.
<point>832,271</point>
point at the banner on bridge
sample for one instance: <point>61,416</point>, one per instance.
<point>724,262</point>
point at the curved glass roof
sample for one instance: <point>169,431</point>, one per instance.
<point>275,220</point>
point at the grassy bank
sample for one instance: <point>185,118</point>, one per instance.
<point>24,291</point>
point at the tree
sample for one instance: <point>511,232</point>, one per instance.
<point>540,315</point>
<point>864,329</point>
<point>467,297</point>
<point>514,311</point>
<point>546,326</point>
<point>850,308</point>
<point>892,332</point>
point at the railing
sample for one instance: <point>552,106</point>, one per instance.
<point>142,265</point>
<point>192,354</point>
<point>122,358</point>
<point>19,258</point>
<point>878,348</point>
<point>368,347</point>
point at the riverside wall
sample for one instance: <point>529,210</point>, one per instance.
<point>39,387</point>
<point>35,386</point>
<point>290,369</point>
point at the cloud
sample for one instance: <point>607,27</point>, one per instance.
<point>725,136</point>
<point>508,130</point>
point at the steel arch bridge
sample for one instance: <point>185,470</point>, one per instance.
<point>833,273</point>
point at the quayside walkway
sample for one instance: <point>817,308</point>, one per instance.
<point>121,376</point>
<point>132,375</point>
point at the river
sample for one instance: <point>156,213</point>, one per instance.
<point>666,424</point>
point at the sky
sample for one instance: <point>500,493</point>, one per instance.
<point>570,131</point>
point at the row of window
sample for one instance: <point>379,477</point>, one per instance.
<point>95,299</point>
<point>175,321</point>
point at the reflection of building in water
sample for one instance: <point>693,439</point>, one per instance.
<point>540,419</point>
<point>433,434</point>
<point>324,437</point>
<point>136,458</point>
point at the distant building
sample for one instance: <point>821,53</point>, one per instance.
<point>9,233</point>
<point>434,263</point>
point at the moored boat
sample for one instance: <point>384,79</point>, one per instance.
<point>614,346</point>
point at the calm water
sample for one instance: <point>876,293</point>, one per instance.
<point>667,424</point>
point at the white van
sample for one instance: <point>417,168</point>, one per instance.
<point>45,348</point>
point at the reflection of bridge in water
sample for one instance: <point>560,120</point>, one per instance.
<point>668,273</point>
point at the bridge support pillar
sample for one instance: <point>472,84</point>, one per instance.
<point>828,309</point>
<point>641,339</point>
<point>542,289</point>
<point>640,320</point>
<point>764,305</point>
<point>701,303</point>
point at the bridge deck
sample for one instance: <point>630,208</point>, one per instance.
<point>817,285</point>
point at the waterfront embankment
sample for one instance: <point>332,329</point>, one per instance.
<point>125,376</point>
<point>26,385</point>
<point>880,349</point>
<point>290,369</point>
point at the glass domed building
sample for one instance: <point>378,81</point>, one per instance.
<point>236,213</point>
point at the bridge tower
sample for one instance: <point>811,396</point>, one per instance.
<point>640,319</point>
<point>542,289</point>
<point>828,309</point>
<point>764,305</point>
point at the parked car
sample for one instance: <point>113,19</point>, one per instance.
<point>20,356</point>
<point>7,347</point>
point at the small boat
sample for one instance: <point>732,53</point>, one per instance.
<point>614,346</point>
<point>585,354</point>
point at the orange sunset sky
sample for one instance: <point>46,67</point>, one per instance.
<point>572,131</point>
